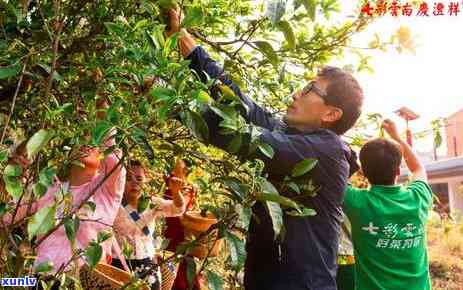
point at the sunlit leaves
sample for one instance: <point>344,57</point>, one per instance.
<point>42,221</point>
<point>214,281</point>
<point>99,132</point>
<point>38,141</point>
<point>13,186</point>
<point>237,250</point>
<point>288,32</point>
<point>193,17</point>
<point>93,254</point>
<point>267,49</point>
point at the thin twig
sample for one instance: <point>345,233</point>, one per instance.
<point>55,52</point>
<point>254,28</point>
<point>14,100</point>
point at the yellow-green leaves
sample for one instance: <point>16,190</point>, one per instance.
<point>167,4</point>
<point>267,49</point>
<point>288,32</point>
<point>11,176</point>
<point>37,142</point>
<point>93,254</point>
<point>194,16</point>
<point>42,221</point>
<point>303,167</point>
<point>99,132</point>
<point>9,71</point>
<point>311,7</point>
<point>237,250</point>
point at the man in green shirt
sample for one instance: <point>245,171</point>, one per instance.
<point>388,220</point>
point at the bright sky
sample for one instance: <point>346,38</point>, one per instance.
<point>429,82</point>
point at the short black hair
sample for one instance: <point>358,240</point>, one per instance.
<point>343,92</point>
<point>380,159</point>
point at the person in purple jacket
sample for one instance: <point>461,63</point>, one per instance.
<point>326,108</point>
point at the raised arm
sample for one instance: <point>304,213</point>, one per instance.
<point>411,159</point>
<point>204,65</point>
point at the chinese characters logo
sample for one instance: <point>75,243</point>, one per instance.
<point>423,9</point>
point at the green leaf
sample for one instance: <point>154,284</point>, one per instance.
<point>167,4</point>
<point>12,170</point>
<point>93,254</point>
<point>288,32</point>
<point>228,93</point>
<point>141,24</point>
<point>268,187</point>
<point>235,144</point>
<point>202,96</point>
<point>276,215</point>
<point>37,142</point>
<point>115,28</point>
<point>44,267</point>
<point>71,226</point>
<point>143,203</point>
<point>161,93</point>
<point>9,71</point>
<point>12,184</point>
<point>91,205</point>
<point>103,236</point>
<point>266,48</point>
<point>302,213</point>
<point>292,185</point>
<point>99,132</point>
<point>311,7</point>
<point>190,271</point>
<point>214,281</point>
<point>244,214</point>
<point>235,186</point>
<point>303,167</point>
<point>47,68</point>
<point>237,250</point>
<point>13,187</point>
<point>39,189</point>
<point>193,17</point>
<point>285,201</point>
<point>266,149</point>
<point>152,42</point>
<point>41,222</point>
<point>46,176</point>
<point>3,208</point>
<point>3,155</point>
<point>197,126</point>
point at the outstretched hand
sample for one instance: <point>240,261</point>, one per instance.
<point>391,129</point>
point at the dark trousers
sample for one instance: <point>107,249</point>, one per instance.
<point>274,281</point>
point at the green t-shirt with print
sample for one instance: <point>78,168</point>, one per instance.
<point>389,235</point>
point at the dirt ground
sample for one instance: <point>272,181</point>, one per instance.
<point>445,240</point>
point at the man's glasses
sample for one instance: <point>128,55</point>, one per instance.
<point>312,86</point>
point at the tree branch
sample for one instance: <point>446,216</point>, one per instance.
<point>14,100</point>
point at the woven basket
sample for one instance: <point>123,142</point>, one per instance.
<point>194,225</point>
<point>168,274</point>
<point>104,277</point>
